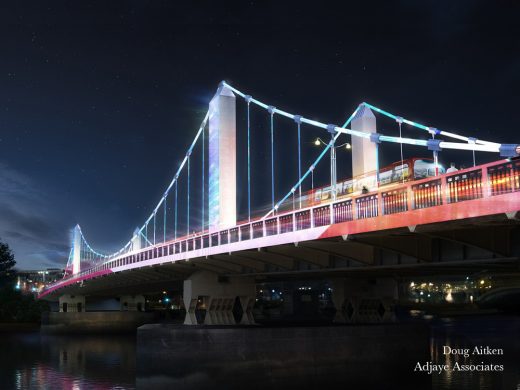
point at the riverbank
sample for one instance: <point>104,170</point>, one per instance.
<point>444,310</point>
<point>95,322</point>
<point>16,327</point>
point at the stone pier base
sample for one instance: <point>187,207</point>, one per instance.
<point>95,322</point>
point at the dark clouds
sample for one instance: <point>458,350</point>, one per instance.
<point>27,224</point>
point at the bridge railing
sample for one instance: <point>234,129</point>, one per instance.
<point>483,181</point>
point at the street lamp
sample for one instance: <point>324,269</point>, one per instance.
<point>318,142</point>
<point>333,171</point>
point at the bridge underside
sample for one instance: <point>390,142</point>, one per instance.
<point>459,247</point>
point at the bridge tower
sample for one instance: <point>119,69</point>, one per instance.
<point>364,151</point>
<point>76,250</point>
<point>136,240</point>
<point>222,159</point>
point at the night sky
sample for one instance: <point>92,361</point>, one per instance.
<point>99,101</point>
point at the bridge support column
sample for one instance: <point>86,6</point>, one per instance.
<point>222,201</point>
<point>226,300</point>
<point>364,301</point>
<point>72,303</point>
<point>136,240</point>
<point>132,302</point>
<point>364,151</point>
<point>76,250</point>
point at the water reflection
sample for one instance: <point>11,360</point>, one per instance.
<point>468,332</point>
<point>34,361</point>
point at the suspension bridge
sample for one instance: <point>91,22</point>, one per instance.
<point>410,218</point>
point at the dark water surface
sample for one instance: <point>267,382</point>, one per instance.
<point>35,361</point>
<point>75,362</point>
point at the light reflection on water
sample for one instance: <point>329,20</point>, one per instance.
<point>466,333</point>
<point>34,361</point>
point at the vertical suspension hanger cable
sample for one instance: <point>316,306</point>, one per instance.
<point>248,100</point>
<point>271,109</point>
<point>298,120</point>
<point>375,138</point>
<point>312,179</point>
<point>473,140</point>
<point>164,218</point>
<point>333,180</point>
<point>175,223</point>
<point>433,132</point>
<point>399,121</point>
<point>202,185</point>
<point>188,200</point>
<point>154,217</point>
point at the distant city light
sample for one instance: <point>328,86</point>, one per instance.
<point>449,297</point>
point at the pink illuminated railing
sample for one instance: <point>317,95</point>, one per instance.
<point>343,211</point>
<point>477,182</point>
<point>367,206</point>
<point>395,201</point>
<point>427,194</point>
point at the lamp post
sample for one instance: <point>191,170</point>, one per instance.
<point>333,165</point>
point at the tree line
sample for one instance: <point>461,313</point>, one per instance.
<point>14,305</point>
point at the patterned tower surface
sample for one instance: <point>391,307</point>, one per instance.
<point>76,250</point>
<point>136,240</point>
<point>364,154</point>
<point>222,160</point>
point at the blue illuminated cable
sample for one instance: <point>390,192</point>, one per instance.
<point>431,130</point>
<point>311,168</point>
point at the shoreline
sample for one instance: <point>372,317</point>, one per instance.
<point>17,327</point>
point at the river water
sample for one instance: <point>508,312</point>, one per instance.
<point>36,361</point>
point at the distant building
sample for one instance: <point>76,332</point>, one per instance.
<point>32,281</point>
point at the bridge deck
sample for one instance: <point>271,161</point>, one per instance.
<point>474,193</point>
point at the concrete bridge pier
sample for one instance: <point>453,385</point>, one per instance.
<point>364,301</point>
<point>72,303</point>
<point>223,299</point>
<point>132,302</point>
<point>103,315</point>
